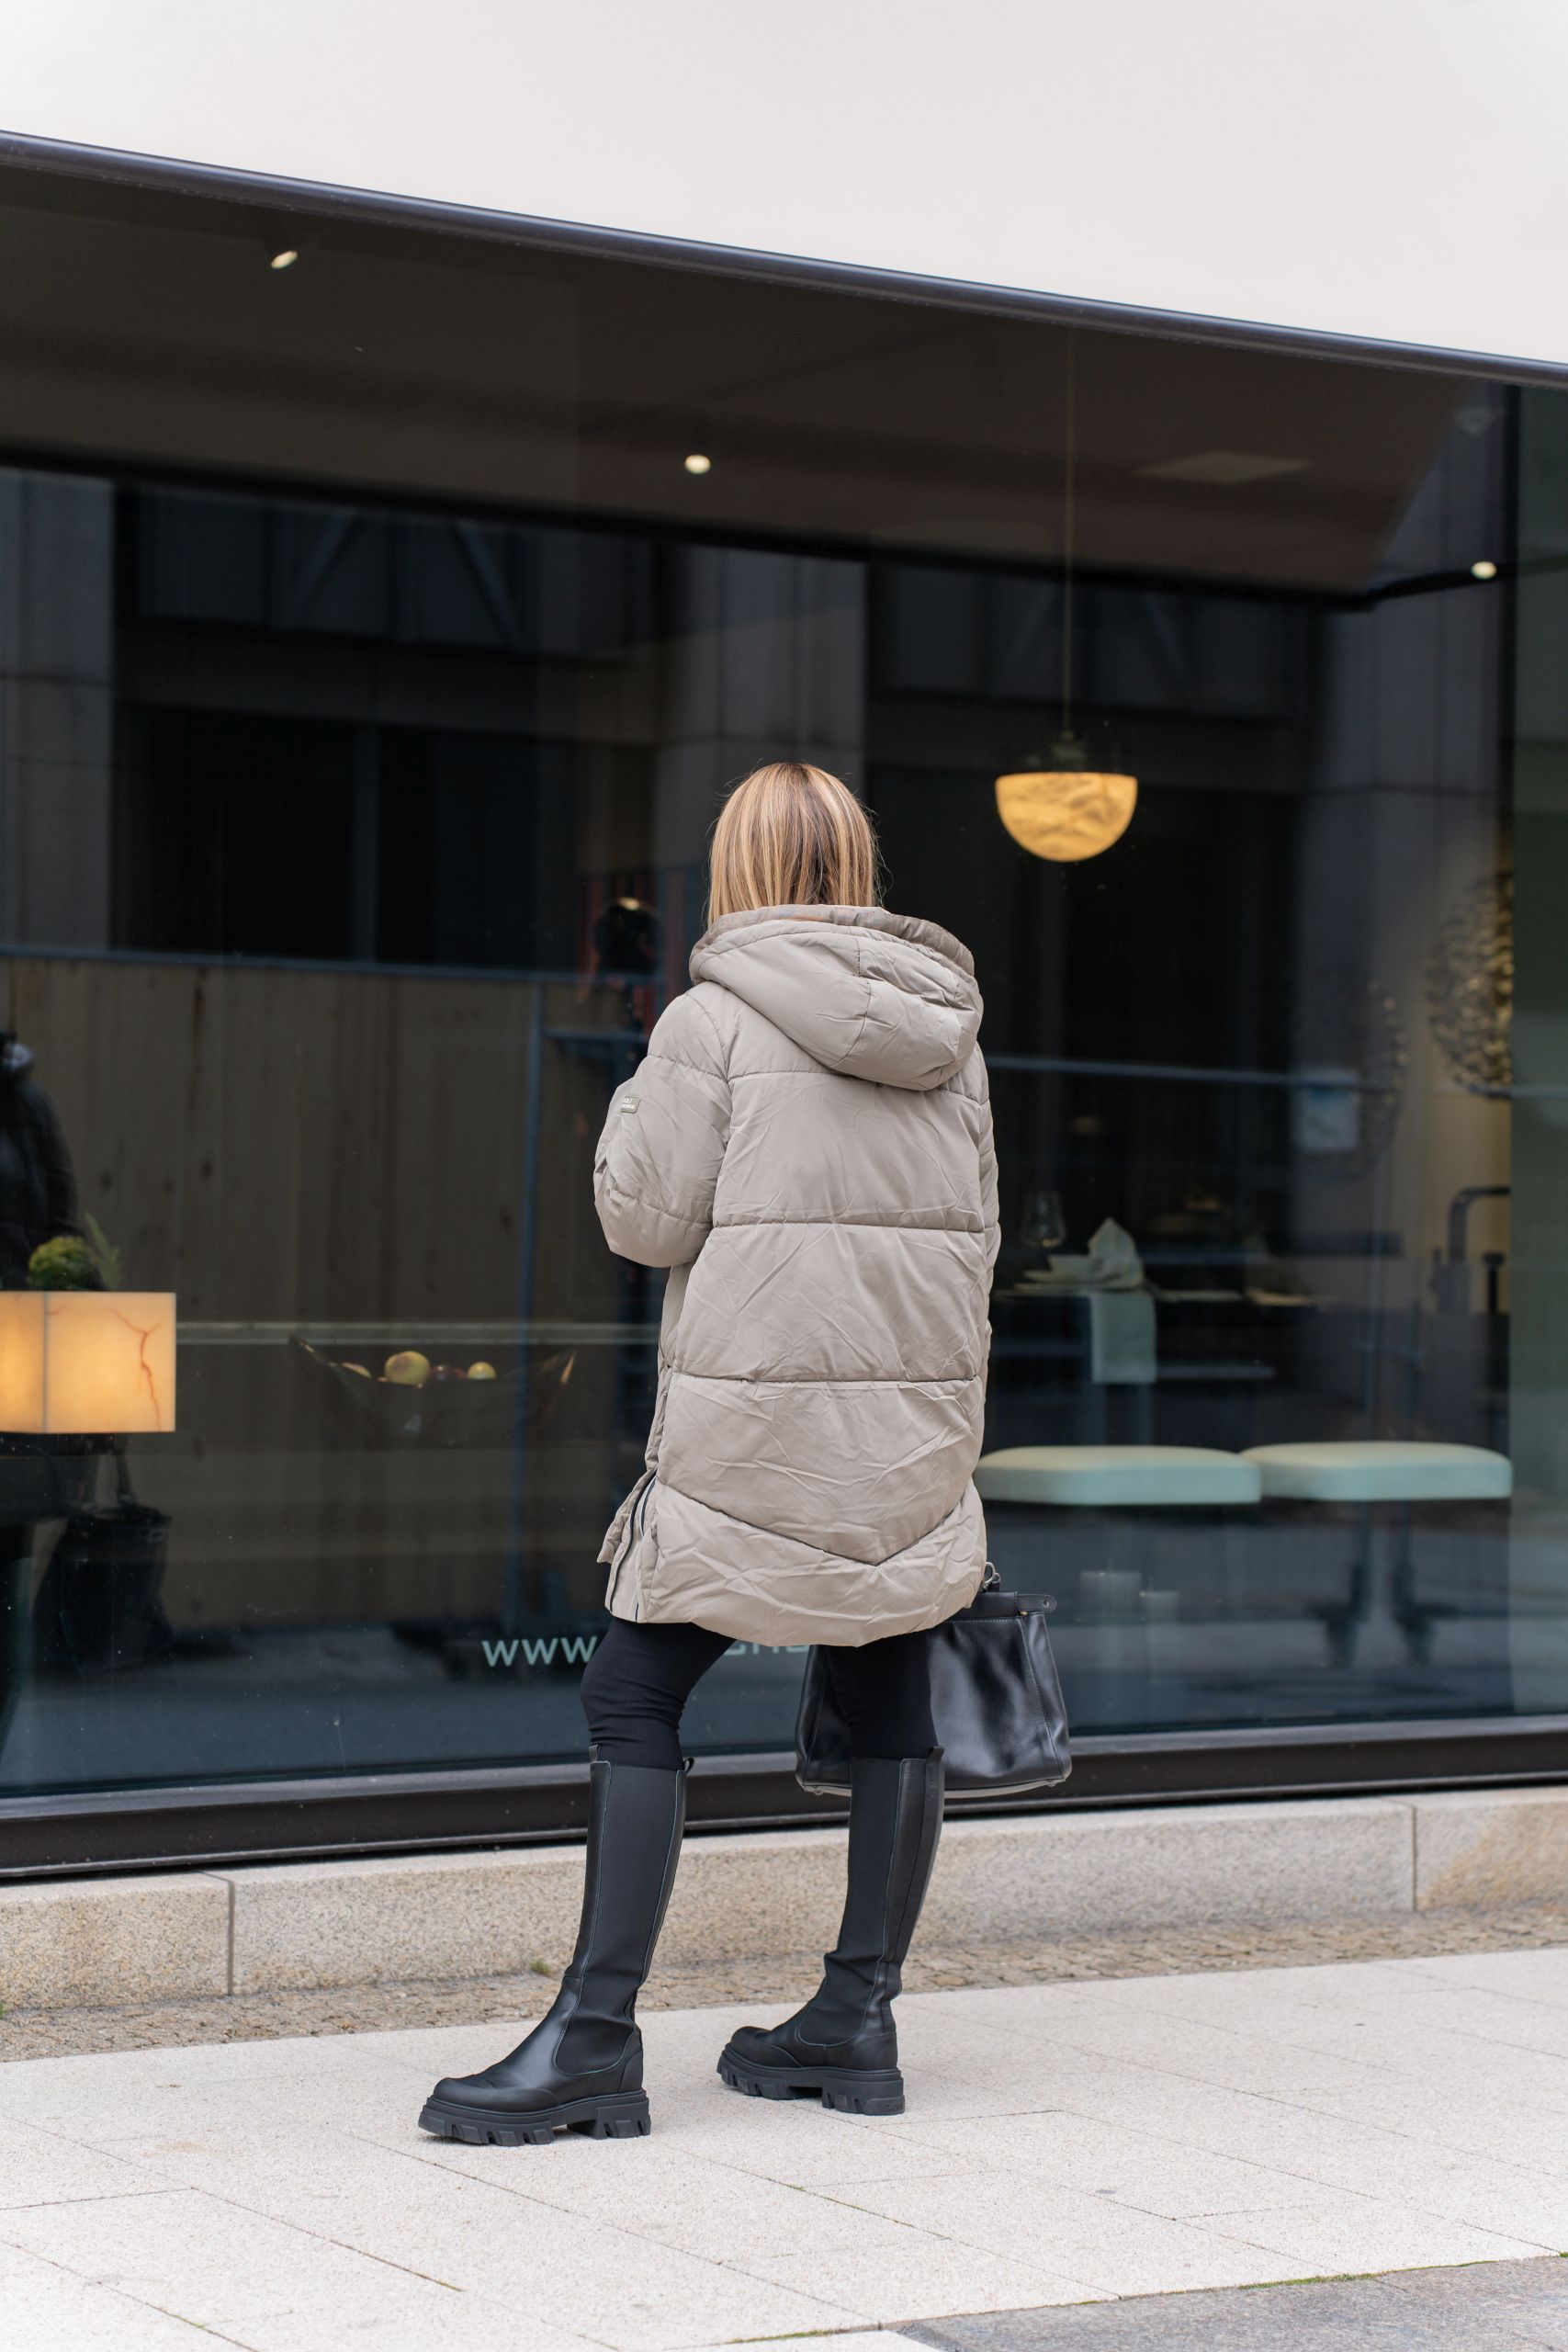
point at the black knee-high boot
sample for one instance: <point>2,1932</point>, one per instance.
<point>582,2066</point>
<point>844,2043</point>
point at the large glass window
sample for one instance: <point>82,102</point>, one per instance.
<point>377,637</point>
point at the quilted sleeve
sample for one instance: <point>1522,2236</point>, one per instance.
<point>990,1207</point>
<point>659,1155</point>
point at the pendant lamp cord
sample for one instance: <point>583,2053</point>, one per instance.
<point>1068,470</point>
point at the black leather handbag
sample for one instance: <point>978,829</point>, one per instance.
<point>995,1698</point>
<point>100,1604</point>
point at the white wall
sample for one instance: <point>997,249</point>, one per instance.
<point>1392,168</point>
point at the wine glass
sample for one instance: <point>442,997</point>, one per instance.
<point>1045,1223</point>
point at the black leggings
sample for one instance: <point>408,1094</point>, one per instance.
<point>640,1677</point>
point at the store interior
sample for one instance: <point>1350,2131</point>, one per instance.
<point>375,655</point>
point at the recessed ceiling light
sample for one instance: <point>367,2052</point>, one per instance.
<point>1225,469</point>
<point>285,260</point>
<point>697,464</point>
<point>1483,570</point>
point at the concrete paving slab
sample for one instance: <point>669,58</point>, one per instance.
<point>1138,2168</point>
<point>44,2305</point>
<point>1335,2230</point>
<point>711,2209</point>
<point>1117,2249</point>
<point>1482,2038</point>
<point>44,2168</point>
<point>232,2272</point>
<point>1069,2149</point>
<point>930,2274</point>
<point>1530,1975</point>
<point>878,2339</point>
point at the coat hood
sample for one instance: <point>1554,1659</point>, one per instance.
<point>873,995</point>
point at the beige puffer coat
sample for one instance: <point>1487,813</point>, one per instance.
<point>807,1146</point>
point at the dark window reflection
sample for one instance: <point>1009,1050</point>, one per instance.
<point>372,673</point>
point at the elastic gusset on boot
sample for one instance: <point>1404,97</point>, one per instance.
<point>580,2068</point>
<point>844,2042</point>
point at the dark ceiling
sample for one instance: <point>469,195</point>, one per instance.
<point>148,327</point>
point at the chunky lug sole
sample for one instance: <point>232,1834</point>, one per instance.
<point>620,2116</point>
<point>853,2090</point>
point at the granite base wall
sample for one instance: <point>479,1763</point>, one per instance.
<point>185,1935</point>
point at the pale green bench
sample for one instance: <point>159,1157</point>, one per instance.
<point>1117,1478</point>
<point>1367,1472</point>
<point>1112,1599</point>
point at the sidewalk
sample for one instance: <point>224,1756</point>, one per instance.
<point>1064,2145</point>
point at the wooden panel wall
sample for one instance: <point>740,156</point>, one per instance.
<point>290,1144</point>
<point>287,1145</point>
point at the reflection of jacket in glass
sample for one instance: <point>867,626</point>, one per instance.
<point>39,1476</point>
<point>37,1187</point>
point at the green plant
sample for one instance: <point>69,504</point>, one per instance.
<point>70,1262</point>
<point>65,1264</point>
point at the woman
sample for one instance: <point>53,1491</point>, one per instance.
<point>37,1200</point>
<point>807,1147</point>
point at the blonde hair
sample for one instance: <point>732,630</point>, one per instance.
<point>790,836</point>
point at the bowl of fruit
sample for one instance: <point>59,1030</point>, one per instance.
<point>455,1396</point>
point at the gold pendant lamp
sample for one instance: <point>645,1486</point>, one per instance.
<point>1060,807</point>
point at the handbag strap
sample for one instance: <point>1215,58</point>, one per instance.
<point>124,1492</point>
